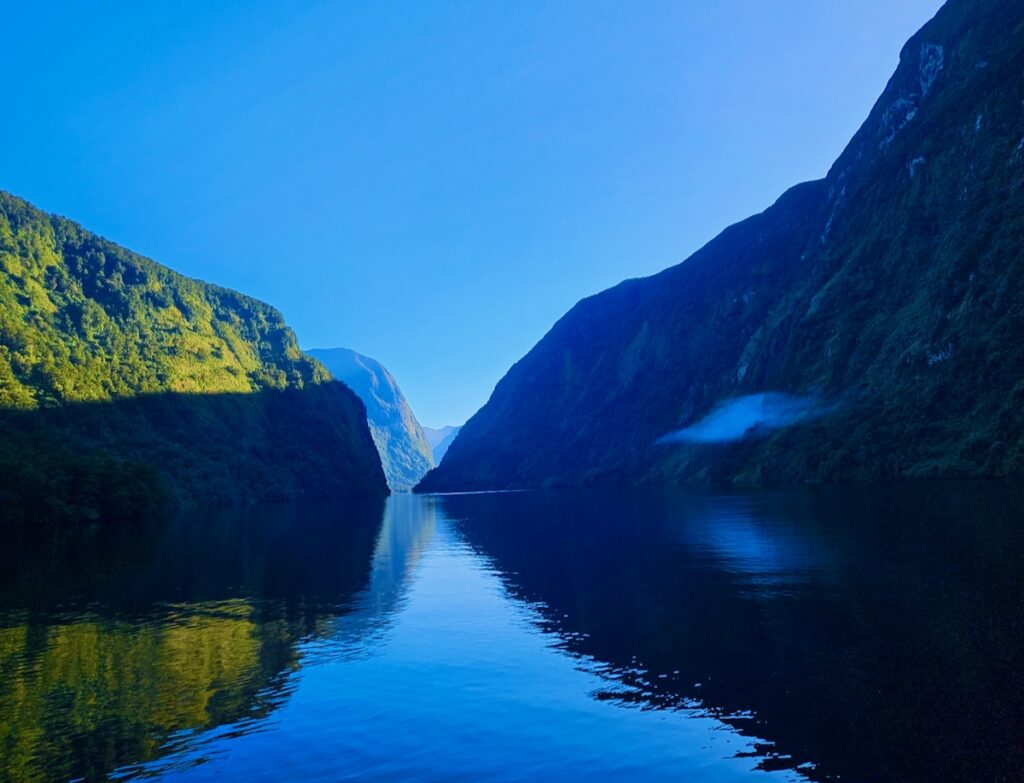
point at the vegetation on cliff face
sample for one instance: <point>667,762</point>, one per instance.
<point>893,289</point>
<point>401,441</point>
<point>124,385</point>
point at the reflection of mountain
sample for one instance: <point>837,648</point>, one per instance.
<point>113,643</point>
<point>408,527</point>
<point>70,708</point>
<point>407,530</point>
<point>871,633</point>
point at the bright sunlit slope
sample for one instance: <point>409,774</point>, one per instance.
<point>401,441</point>
<point>124,385</point>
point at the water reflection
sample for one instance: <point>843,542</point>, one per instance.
<point>870,633</point>
<point>865,633</point>
<point>406,531</point>
<point>119,645</point>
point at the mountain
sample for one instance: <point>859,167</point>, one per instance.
<point>878,312</point>
<point>125,387</point>
<point>401,442</point>
<point>440,439</point>
<point>437,434</point>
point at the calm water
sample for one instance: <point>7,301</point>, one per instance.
<point>864,634</point>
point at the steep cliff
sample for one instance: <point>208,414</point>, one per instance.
<point>887,296</point>
<point>401,442</point>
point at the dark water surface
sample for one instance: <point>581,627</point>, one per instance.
<point>862,634</point>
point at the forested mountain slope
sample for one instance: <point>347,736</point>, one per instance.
<point>890,293</point>
<point>125,386</point>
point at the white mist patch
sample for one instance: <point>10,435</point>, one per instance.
<point>742,416</point>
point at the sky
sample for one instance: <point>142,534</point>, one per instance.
<point>432,183</point>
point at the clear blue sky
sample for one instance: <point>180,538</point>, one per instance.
<point>432,183</point>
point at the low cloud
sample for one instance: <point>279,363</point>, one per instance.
<point>746,416</point>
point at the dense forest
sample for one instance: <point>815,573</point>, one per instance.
<point>891,292</point>
<point>126,387</point>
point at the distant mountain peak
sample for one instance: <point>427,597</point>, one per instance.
<point>405,451</point>
<point>440,439</point>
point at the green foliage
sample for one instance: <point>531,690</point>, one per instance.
<point>85,323</point>
<point>894,288</point>
<point>43,481</point>
<point>84,319</point>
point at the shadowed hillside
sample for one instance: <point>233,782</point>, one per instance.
<point>891,293</point>
<point>127,384</point>
<point>125,457</point>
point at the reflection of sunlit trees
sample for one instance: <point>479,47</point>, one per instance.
<point>98,694</point>
<point>121,645</point>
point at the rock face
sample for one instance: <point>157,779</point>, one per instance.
<point>401,442</point>
<point>890,294</point>
<point>125,386</point>
<point>440,439</point>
